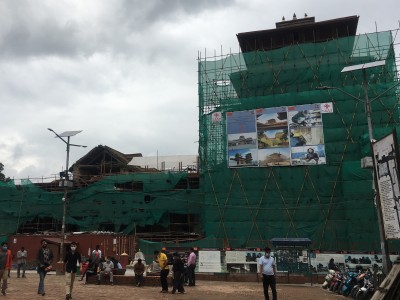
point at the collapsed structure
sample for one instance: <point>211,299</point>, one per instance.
<point>253,181</point>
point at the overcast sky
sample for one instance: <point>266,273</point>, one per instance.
<point>125,72</point>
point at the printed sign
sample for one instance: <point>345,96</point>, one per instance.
<point>387,178</point>
<point>277,136</point>
<point>210,261</point>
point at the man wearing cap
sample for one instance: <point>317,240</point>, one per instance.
<point>72,260</point>
<point>5,265</point>
<point>267,267</point>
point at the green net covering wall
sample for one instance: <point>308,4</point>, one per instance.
<point>110,204</point>
<point>331,204</point>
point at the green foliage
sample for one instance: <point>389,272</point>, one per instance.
<point>2,176</point>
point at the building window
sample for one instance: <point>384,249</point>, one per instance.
<point>130,186</point>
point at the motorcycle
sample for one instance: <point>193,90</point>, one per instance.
<point>328,279</point>
<point>367,291</point>
<point>360,281</point>
<point>349,283</point>
<point>335,281</point>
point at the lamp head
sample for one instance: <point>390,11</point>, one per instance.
<point>323,88</point>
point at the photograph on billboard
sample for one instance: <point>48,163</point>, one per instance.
<point>271,118</point>
<point>276,136</point>
<point>387,178</point>
<point>240,122</point>
<point>242,140</point>
<point>243,157</point>
<point>306,136</point>
<point>274,157</point>
<point>308,155</point>
<point>308,115</point>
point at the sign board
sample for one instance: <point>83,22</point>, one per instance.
<point>276,136</point>
<point>386,164</point>
<point>210,261</point>
<point>242,257</point>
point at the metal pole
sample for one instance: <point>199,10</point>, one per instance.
<point>384,245</point>
<point>65,185</point>
<point>367,106</point>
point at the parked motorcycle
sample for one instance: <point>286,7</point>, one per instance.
<point>328,279</point>
<point>360,281</point>
<point>349,283</point>
<point>367,290</point>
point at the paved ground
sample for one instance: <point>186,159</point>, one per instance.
<point>26,288</point>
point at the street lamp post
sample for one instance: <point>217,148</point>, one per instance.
<point>65,182</point>
<point>367,103</point>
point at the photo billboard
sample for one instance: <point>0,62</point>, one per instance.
<point>276,136</point>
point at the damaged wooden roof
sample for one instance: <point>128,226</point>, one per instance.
<point>102,153</point>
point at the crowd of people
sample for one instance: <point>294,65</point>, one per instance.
<point>182,268</point>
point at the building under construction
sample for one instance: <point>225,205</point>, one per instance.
<point>256,191</point>
<point>277,157</point>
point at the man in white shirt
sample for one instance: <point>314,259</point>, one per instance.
<point>21,262</point>
<point>267,268</point>
<point>96,256</point>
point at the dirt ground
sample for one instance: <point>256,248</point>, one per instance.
<point>26,288</point>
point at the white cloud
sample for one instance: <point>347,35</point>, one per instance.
<point>124,72</point>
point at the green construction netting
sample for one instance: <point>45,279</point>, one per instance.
<point>100,206</point>
<point>332,204</point>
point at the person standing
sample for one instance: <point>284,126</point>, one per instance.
<point>162,260</point>
<point>191,266</point>
<point>267,268</point>
<point>21,262</point>
<point>72,260</point>
<point>96,256</point>
<point>139,269</point>
<point>44,258</point>
<point>5,265</point>
<point>178,270</point>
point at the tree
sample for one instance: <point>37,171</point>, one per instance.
<point>2,176</point>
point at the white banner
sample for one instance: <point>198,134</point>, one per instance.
<point>242,257</point>
<point>210,261</point>
<point>387,176</point>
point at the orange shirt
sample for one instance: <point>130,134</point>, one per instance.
<point>8,260</point>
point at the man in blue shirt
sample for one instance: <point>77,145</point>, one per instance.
<point>267,268</point>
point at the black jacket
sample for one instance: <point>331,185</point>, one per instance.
<point>42,260</point>
<point>178,266</point>
<point>71,260</point>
